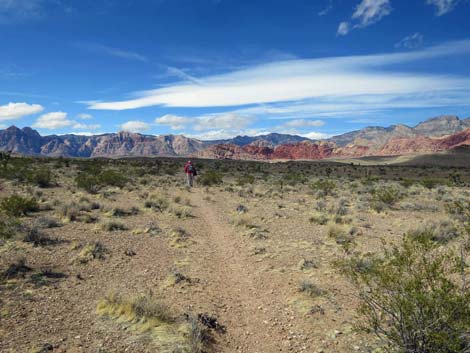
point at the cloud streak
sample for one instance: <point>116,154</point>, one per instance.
<point>116,52</point>
<point>317,80</point>
<point>443,6</point>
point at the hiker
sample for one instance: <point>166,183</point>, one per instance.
<point>191,172</point>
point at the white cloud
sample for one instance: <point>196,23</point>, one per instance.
<point>367,12</point>
<point>313,135</point>
<point>58,120</point>
<point>309,79</point>
<point>13,111</point>
<point>224,121</point>
<point>174,121</point>
<point>371,11</point>
<point>84,116</point>
<point>135,126</point>
<point>297,123</point>
<point>80,126</point>
<point>53,120</point>
<point>222,134</point>
<point>443,6</point>
<point>411,42</point>
<point>343,28</point>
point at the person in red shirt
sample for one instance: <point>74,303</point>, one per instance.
<point>191,172</point>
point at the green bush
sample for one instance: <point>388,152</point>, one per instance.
<point>89,183</point>
<point>17,206</point>
<point>245,179</point>
<point>410,297</point>
<point>9,227</point>
<point>293,179</point>
<point>210,178</point>
<point>325,186</point>
<point>388,195</point>
<point>430,183</point>
<point>112,178</point>
<point>93,182</point>
<point>41,177</point>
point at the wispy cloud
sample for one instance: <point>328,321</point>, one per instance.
<point>367,12</point>
<point>326,9</point>
<point>12,111</point>
<point>411,42</point>
<point>116,52</point>
<point>443,6</point>
<point>12,11</point>
<point>317,80</point>
<point>222,121</point>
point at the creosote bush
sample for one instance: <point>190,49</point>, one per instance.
<point>17,206</point>
<point>324,187</point>
<point>388,195</point>
<point>414,298</point>
<point>210,178</point>
<point>92,183</point>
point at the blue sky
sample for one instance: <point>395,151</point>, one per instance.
<point>219,68</point>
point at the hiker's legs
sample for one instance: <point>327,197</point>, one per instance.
<point>189,179</point>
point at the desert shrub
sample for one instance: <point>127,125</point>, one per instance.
<point>310,288</point>
<point>409,300</point>
<point>112,178</point>
<point>318,218</point>
<point>47,222</point>
<point>159,203</point>
<point>145,309</point>
<point>461,211</point>
<point>430,183</point>
<point>92,182</point>
<point>9,227</point>
<point>113,226</point>
<point>307,264</point>
<point>293,178</point>
<point>16,269</point>
<point>325,187</point>
<point>120,212</point>
<point>387,195</point>
<point>181,211</point>
<point>210,178</point>
<point>89,183</point>
<point>69,212</point>
<point>41,177</point>
<point>343,235</point>
<point>92,251</point>
<point>245,179</point>
<point>199,337</point>
<point>441,232</point>
<point>17,206</point>
<point>34,236</point>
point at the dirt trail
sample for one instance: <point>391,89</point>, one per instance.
<point>236,286</point>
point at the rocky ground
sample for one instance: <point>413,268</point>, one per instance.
<point>260,257</point>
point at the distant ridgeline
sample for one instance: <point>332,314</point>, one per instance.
<point>434,135</point>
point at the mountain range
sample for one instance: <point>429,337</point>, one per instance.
<point>433,135</point>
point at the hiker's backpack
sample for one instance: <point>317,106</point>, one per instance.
<point>191,169</point>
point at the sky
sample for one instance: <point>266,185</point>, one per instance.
<point>213,69</point>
